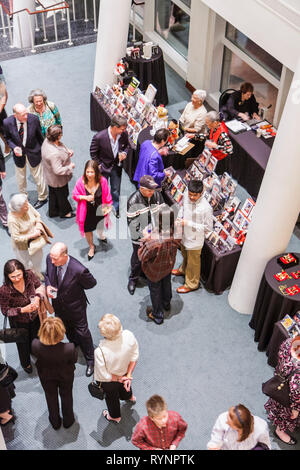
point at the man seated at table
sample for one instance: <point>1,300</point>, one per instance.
<point>216,136</point>
<point>241,104</point>
<point>192,120</point>
<point>196,217</point>
<point>109,148</point>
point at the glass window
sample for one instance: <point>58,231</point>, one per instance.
<point>236,71</point>
<point>173,24</point>
<point>187,3</point>
<point>254,51</point>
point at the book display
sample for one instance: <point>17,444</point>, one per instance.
<point>291,325</point>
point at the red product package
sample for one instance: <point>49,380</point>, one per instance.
<point>282,276</point>
<point>288,259</point>
<point>296,274</point>
<point>293,290</point>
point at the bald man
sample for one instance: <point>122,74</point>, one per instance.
<point>66,280</point>
<point>23,133</point>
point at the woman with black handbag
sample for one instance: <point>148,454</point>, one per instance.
<point>20,302</point>
<point>287,418</point>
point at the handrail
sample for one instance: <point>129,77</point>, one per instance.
<point>45,9</point>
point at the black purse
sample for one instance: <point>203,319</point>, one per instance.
<point>95,388</point>
<point>7,375</point>
<point>278,388</point>
<point>13,335</point>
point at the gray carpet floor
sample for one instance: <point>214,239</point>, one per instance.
<point>203,359</point>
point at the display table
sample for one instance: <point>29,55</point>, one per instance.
<point>249,160</point>
<point>151,71</point>
<point>271,305</point>
<point>278,336</point>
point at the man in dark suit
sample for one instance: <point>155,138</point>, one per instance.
<point>23,134</point>
<point>109,148</point>
<point>66,280</point>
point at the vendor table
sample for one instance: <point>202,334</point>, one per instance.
<point>151,71</point>
<point>271,305</point>
<point>279,335</point>
<point>249,160</point>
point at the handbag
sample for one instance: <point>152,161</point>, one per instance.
<point>13,335</point>
<point>278,389</point>
<point>38,243</point>
<point>7,375</point>
<point>95,388</point>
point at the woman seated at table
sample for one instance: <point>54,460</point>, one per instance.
<point>92,191</point>
<point>192,119</point>
<point>216,136</point>
<point>241,104</point>
<point>150,161</point>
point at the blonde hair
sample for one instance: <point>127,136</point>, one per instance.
<point>156,405</point>
<point>51,331</point>
<point>110,326</point>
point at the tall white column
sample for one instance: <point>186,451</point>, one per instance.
<point>23,23</point>
<point>112,38</point>
<point>277,207</point>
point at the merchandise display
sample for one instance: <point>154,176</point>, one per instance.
<point>145,50</point>
<point>292,325</point>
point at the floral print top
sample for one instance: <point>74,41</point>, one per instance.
<point>49,117</point>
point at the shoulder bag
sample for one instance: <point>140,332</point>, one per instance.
<point>7,375</point>
<point>278,388</point>
<point>95,388</point>
<point>13,335</point>
<point>38,243</point>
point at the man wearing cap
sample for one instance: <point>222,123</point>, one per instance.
<point>142,207</point>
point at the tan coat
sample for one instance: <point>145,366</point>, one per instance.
<point>56,164</point>
<point>20,228</point>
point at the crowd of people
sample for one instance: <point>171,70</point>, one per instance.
<point>31,294</point>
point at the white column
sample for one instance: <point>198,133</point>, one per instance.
<point>277,207</point>
<point>22,32</point>
<point>112,38</point>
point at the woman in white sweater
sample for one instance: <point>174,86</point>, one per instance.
<point>115,360</point>
<point>238,429</point>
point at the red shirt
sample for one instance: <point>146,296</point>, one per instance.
<point>148,436</point>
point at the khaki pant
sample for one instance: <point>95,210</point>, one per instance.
<point>190,267</point>
<point>38,176</point>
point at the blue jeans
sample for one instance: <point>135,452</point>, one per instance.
<point>115,184</point>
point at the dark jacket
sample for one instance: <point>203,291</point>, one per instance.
<point>71,299</point>
<point>234,106</point>
<point>2,165</point>
<point>140,211</point>
<point>55,362</point>
<point>32,148</point>
<point>100,150</point>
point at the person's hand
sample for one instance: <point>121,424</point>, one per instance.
<point>89,198</point>
<point>3,100</point>
<point>106,209</point>
<point>163,151</point>
<point>2,174</point>
<point>256,116</point>
<point>72,165</point>
<point>49,291</point>
<point>210,144</point>
<point>294,414</point>
<point>122,156</point>
<point>244,116</point>
<point>29,308</point>
<point>18,151</point>
<point>126,383</point>
<point>70,152</point>
<point>189,135</point>
<point>172,447</point>
<point>35,234</point>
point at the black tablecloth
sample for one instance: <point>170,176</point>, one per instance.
<point>249,160</point>
<point>151,71</point>
<point>217,269</point>
<point>100,120</point>
<point>271,305</point>
<point>278,336</point>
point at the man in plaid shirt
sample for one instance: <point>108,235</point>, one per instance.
<point>157,254</point>
<point>161,429</point>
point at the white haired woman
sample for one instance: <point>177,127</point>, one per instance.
<point>192,119</point>
<point>24,225</point>
<point>115,360</point>
<point>46,111</point>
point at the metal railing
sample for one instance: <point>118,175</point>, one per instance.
<point>62,11</point>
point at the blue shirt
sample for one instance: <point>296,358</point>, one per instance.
<point>150,163</point>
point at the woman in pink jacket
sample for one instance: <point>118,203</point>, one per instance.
<point>94,200</point>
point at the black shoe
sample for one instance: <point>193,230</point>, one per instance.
<point>291,442</point>
<point>69,217</point>
<point>56,425</point>
<point>91,257</point>
<point>89,371</point>
<point>117,214</point>
<point>150,315</point>
<point>66,426</point>
<point>167,307</point>
<point>131,287</point>
<point>40,204</point>
<point>28,369</point>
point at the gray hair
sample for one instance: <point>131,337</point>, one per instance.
<point>17,202</point>
<point>213,116</point>
<point>118,121</point>
<point>37,92</point>
<point>200,94</point>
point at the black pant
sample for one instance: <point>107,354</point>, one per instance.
<point>63,387</point>
<point>114,392</point>
<point>24,349</point>
<point>161,295</point>
<point>135,264</point>
<point>58,201</point>
<point>77,332</point>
